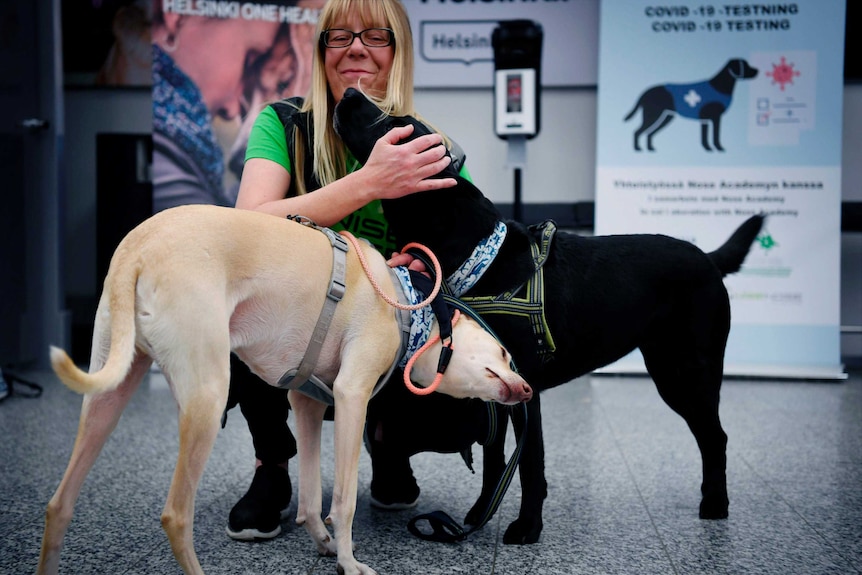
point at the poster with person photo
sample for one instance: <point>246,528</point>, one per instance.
<point>215,65</point>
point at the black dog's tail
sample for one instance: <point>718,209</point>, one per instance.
<point>632,113</point>
<point>729,257</point>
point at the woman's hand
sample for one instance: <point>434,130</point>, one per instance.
<point>411,262</point>
<point>402,169</point>
<point>405,259</point>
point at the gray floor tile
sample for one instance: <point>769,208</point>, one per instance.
<point>623,473</point>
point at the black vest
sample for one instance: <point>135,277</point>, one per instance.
<point>292,120</point>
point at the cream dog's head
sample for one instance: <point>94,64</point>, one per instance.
<point>479,367</point>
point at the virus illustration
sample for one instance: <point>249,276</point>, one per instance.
<point>766,241</point>
<point>783,74</point>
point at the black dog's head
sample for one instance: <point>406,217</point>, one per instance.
<point>360,123</point>
<point>453,219</point>
<point>741,69</point>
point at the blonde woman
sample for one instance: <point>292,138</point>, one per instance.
<point>297,164</point>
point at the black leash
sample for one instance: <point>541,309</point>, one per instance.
<point>444,529</point>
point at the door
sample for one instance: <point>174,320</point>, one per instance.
<point>31,132</point>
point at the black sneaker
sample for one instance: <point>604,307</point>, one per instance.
<point>395,501</point>
<point>393,486</point>
<point>259,513</point>
<point>396,491</point>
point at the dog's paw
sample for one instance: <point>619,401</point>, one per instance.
<point>326,546</point>
<point>714,507</point>
<point>523,531</point>
<point>326,549</point>
<point>354,568</point>
<point>714,502</point>
<point>477,511</point>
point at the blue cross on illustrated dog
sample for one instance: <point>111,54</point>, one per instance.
<point>705,101</point>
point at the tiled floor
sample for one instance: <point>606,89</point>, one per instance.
<point>623,474</point>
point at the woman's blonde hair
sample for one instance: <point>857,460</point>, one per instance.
<point>330,155</point>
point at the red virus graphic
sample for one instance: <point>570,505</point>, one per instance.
<point>783,74</point>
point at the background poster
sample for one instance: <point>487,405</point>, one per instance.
<point>709,113</point>
<point>215,66</point>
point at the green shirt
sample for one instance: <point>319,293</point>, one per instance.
<point>267,140</point>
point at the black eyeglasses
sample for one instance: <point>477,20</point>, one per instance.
<point>371,37</point>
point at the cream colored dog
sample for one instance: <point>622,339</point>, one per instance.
<point>191,284</point>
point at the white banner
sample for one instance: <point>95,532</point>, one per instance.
<point>452,40</point>
<point>709,113</point>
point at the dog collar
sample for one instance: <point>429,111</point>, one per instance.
<point>466,276</point>
<point>420,319</point>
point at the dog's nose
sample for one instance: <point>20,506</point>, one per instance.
<point>525,392</point>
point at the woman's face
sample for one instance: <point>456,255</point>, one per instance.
<point>214,54</point>
<point>357,65</point>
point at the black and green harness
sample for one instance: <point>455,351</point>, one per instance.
<point>526,301</point>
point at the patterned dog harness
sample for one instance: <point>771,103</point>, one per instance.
<point>531,306</point>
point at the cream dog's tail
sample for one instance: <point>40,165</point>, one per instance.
<point>122,351</point>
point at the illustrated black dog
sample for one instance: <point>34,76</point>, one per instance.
<point>705,101</point>
<point>604,297</point>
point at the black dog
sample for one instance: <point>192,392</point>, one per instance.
<point>604,296</point>
<point>705,101</point>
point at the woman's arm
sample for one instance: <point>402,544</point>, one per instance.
<point>392,171</point>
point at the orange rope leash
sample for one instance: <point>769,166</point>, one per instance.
<point>438,275</point>
<point>438,272</point>
<point>439,377</point>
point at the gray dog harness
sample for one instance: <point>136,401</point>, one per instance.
<point>302,378</point>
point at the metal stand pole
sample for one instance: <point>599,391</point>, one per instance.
<point>516,157</point>
<point>517,208</point>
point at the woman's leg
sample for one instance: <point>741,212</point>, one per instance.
<point>258,514</point>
